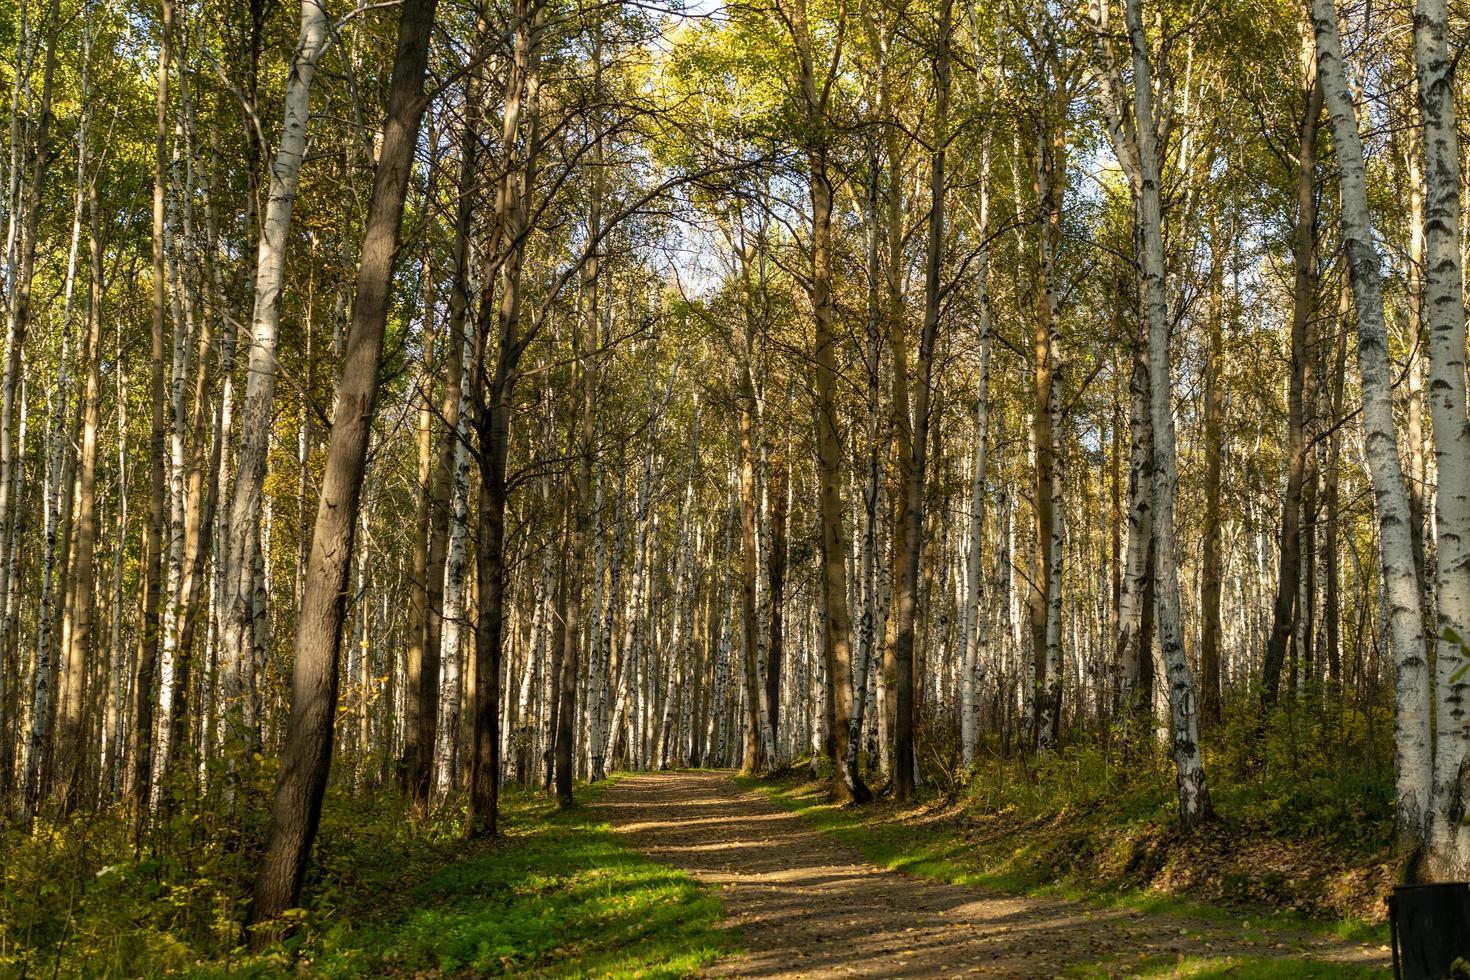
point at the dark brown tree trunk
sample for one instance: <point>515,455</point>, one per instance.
<point>148,638</point>
<point>776,576</point>
<point>750,569</point>
<point>1213,570</point>
<point>585,352</point>
<point>520,137</point>
<point>838,623</point>
<point>79,604</point>
<point>410,766</point>
<point>906,592</point>
<point>307,755</point>
<point>1304,257</point>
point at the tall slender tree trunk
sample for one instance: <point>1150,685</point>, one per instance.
<point>975,632</point>
<point>585,340</point>
<point>1284,613</point>
<point>78,635</point>
<point>838,626</point>
<point>1194,797</point>
<point>1212,573</point>
<point>307,755</point>
<point>410,765</point>
<point>1412,728</point>
<point>243,542</point>
<point>1444,303</point>
<point>520,137</point>
<point>907,589</point>
<point>448,497</point>
<point>776,597</point>
<point>1045,596</point>
<point>1133,642</point>
<point>750,570</point>
<point>149,633</point>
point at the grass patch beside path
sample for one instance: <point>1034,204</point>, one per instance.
<point>560,894</point>
<point>925,842</point>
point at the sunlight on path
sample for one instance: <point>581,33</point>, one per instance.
<point>808,906</point>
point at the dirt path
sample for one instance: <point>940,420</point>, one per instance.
<point>809,906</point>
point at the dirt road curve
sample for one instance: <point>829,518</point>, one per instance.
<point>807,906</point>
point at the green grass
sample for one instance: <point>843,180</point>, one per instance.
<point>558,895</point>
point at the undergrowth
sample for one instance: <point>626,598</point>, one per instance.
<point>559,894</point>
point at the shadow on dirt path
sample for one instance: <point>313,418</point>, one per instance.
<point>808,906</point>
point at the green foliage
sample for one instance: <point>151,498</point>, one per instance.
<point>1317,767</point>
<point>558,895</point>
<point>83,895</point>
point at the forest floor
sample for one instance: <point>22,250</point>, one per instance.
<point>808,905</point>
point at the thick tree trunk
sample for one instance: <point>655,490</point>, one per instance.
<point>307,755</point>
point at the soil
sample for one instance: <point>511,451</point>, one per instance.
<point>806,905</point>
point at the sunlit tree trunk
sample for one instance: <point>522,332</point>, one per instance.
<point>975,634</point>
<point>451,630</point>
<point>1412,730</point>
<point>1045,597</point>
<point>1194,797</point>
<point>838,626</point>
<point>1444,305</point>
<point>243,544</point>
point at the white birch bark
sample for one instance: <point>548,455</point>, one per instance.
<point>447,734</point>
<point>973,636</point>
<point>1412,737</point>
<point>238,640</point>
<point>1194,799</point>
<point>1444,308</point>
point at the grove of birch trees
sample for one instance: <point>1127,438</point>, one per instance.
<point>407,399</point>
